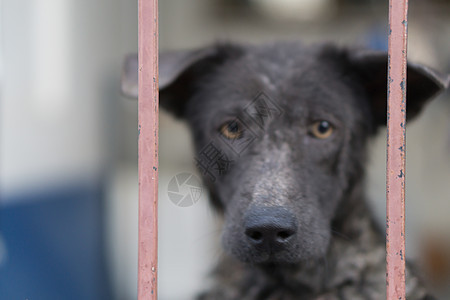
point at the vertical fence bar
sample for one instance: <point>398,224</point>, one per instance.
<point>148,149</point>
<point>396,151</point>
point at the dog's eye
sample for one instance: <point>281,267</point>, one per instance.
<point>231,130</point>
<point>321,129</point>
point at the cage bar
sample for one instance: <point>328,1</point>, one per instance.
<point>148,149</point>
<point>396,151</point>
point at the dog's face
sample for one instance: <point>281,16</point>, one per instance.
<point>280,133</point>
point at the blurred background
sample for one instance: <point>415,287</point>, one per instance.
<point>68,140</point>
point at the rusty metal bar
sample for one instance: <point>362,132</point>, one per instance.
<point>396,151</point>
<point>148,149</point>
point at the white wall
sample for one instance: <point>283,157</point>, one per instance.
<point>61,67</point>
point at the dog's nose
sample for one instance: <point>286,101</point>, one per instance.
<point>270,226</point>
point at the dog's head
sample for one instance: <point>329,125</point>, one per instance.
<point>280,132</point>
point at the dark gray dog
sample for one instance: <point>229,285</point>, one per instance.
<point>281,131</point>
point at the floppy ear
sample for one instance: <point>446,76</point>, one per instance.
<point>180,73</point>
<point>422,84</point>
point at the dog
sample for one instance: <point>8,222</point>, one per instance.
<point>288,126</point>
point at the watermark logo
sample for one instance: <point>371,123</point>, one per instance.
<point>184,189</point>
<point>263,109</point>
<point>239,145</point>
<point>213,162</point>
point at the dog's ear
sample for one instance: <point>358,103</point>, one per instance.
<point>423,83</point>
<point>180,73</point>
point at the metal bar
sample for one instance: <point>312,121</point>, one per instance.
<point>148,149</point>
<point>396,151</point>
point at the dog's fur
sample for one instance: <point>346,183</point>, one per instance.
<point>335,250</point>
